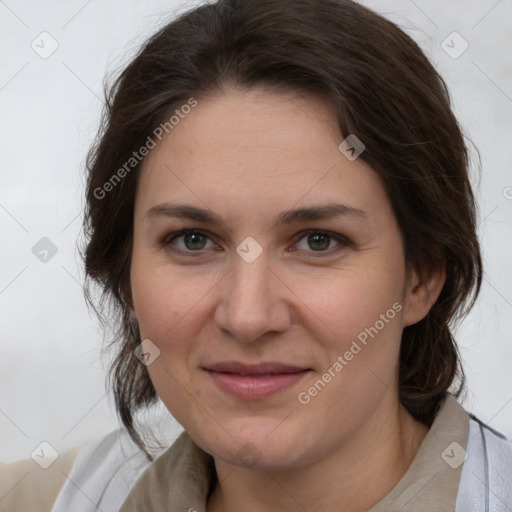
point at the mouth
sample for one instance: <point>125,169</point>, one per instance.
<point>254,382</point>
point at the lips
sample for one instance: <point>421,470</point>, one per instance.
<point>254,382</point>
<point>270,368</point>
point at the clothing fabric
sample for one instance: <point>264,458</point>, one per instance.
<point>462,465</point>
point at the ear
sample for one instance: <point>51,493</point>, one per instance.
<point>421,292</point>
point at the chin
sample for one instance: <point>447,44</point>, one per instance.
<point>262,445</point>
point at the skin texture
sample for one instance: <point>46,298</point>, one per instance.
<point>247,156</point>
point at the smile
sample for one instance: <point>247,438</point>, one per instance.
<point>254,382</point>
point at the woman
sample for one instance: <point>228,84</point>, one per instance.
<point>279,211</point>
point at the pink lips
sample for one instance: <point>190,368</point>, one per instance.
<point>254,382</point>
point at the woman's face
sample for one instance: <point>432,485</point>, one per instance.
<point>294,267</point>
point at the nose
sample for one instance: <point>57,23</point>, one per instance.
<point>253,301</point>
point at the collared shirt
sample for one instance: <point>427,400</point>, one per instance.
<point>111,478</point>
<point>182,477</point>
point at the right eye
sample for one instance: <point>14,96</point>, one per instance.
<point>187,241</point>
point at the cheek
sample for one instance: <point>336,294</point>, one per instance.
<point>173,307</point>
<point>168,307</point>
<point>356,322</point>
<point>362,318</point>
<point>343,304</point>
<point>162,298</point>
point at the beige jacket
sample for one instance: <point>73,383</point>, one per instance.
<point>108,478</point>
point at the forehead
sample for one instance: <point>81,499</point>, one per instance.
<point>254,151</point>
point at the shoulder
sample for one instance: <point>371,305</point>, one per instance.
<point>99,473</point>
<point>486,479</point>
<point>26,486</point>
<point>102,475</point>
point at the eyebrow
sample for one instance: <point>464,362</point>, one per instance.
<point>309,213</point>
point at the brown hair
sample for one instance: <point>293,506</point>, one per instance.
<point>381,87</point>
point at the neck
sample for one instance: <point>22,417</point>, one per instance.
<point>355,477</point>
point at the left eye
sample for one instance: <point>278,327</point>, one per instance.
<point>319,241</point>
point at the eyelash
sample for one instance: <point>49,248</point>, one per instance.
<point>171,237</point>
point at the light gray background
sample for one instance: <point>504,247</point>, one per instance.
<point>51,372</point>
